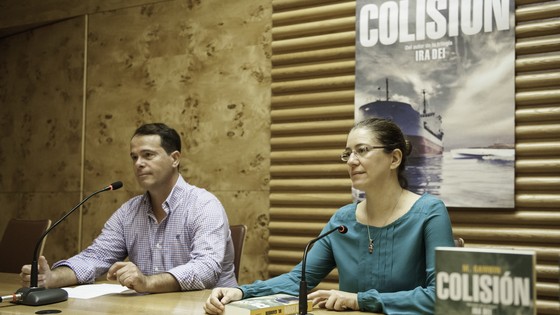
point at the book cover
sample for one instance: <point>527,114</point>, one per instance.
<point>276,304</point>
<point>480,281</point>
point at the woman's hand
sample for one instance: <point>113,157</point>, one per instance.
<point>335,300</point>
<point>220,297</point>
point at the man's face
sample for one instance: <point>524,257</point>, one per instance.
<point>153,167</point>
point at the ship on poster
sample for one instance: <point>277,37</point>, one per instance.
<point>444,71</point>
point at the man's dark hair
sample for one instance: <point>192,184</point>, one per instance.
<point>170,139</point>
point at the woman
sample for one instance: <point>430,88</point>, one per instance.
<point>386,260</point>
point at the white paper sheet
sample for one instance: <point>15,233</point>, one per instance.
<point>88,291</point>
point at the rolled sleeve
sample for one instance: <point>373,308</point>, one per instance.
<point>208,251</point>
<point>84,273</point>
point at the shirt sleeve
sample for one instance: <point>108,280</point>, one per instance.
<point>209,232</point>
<point>420,300</point>
<point>108,248</point>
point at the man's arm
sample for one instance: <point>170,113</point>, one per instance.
<point>62,277</point>
<point>49,278</point>
<point>163,282</point>
<point>130,276</point>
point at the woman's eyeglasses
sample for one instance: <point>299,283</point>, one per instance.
<point>360,151</point>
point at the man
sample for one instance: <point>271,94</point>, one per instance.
<point>176,235</point>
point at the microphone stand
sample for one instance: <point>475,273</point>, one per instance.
<point>34,295</point>
<point>303,283</point>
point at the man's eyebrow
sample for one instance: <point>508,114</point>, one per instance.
<point>142,151</point>
<point>147,151</point>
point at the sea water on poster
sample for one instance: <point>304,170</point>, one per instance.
<point>452,62</point>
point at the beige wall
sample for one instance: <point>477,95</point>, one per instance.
<point>72,93</point>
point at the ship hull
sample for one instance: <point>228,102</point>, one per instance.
<point>421,146</point>
<point>424,141</point>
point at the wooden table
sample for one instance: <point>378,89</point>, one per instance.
<point>164,303</point>
<point>184,303</point>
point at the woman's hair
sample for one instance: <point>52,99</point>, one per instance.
<point>170,140</point>
<point>390,136</point>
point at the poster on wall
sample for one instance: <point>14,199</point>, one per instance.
<point>444,71</point>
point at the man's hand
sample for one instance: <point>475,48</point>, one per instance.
<point>335,300</point>
<point>44,276</point>
<point>128,275</point>
<point>220,297</point>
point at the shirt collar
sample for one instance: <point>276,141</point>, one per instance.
<point>171,202</point>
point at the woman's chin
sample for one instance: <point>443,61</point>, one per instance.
<point>358,185</point>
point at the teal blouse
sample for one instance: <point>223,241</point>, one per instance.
<point>397,278</point>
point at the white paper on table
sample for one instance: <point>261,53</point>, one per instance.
<point>88,291</point>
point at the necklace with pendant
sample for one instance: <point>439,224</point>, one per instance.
<point>370,244</point>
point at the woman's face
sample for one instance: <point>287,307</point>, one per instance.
<point>369,165</point>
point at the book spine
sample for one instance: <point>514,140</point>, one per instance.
<point>273,310</point>
<point>281,309</point>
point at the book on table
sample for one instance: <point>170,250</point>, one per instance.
<point>484,281</point>
<point>276,304</point>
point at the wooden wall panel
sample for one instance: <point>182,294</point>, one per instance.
<point>73,92</point>
<point>313,108</point>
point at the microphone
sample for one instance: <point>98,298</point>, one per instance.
<point>34,295</point>
<point>303,284</point>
